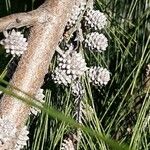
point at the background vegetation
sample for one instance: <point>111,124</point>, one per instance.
<point>121,109</point>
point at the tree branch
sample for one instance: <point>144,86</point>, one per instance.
<point>18,20</point>
<point>44,37</point>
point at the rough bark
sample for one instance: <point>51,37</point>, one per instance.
<point>18,20</point>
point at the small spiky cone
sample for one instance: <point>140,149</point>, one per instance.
<point>22,139</point>
<point>78,8</point>
<point>71,66</point>
<point>96,42</point>
<point>39,96</point>
<point>7,130</point>
<point>67,145</point>
<point>94,20</point>
<point>14,42</point>
<point>98,75</point>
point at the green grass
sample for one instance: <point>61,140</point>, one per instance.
<point>121,106</point>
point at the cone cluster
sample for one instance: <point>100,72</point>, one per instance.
<point>94,20</point>
<point>98,75</point>
<point>96,42</point>
<point>14,42</point>
<point>71,66</point>
<point>78,8</point>
<point>8,131</point>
